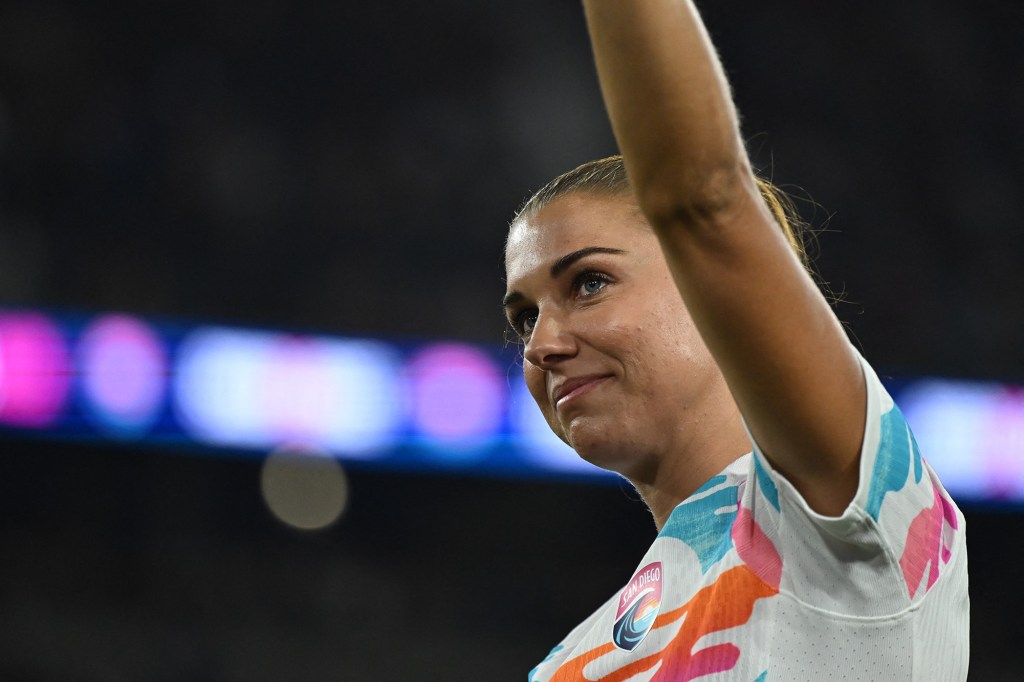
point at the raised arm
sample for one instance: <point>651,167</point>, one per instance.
<point>786,359</point>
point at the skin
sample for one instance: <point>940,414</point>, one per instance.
<point>657,409</point>
<point>783,354</point>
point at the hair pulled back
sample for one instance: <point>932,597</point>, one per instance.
<point>608,176</point>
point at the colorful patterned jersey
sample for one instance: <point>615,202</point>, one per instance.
<point>746,583</point>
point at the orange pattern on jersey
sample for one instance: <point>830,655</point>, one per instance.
<point>726,603</point>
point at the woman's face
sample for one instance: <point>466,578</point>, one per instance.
<point>611,355</point>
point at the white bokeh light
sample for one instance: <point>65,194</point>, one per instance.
<point>217,386</point>
<point>949,421</point>
<point>254,389</point>
<point>304,487</point>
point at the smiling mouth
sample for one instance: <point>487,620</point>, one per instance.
<point>579,391</point>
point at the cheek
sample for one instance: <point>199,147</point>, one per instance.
<point>535,382</point>
<point>658,344</point>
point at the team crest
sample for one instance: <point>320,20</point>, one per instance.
<point>638,606</point>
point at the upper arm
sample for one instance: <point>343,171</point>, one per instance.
<point>784,355</point>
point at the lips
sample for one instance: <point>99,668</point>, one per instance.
<point>571,389</point>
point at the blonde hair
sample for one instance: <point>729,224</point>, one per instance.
<point>608,176</point>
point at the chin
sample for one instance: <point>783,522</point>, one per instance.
<point>606,448</point>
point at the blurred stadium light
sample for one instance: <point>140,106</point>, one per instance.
<point>433,406</point>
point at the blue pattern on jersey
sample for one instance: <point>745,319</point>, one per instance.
<point>711,483</point>
<point>765,482</point>
<point>551,655</point>
<point>896,449</point>
<point>763,677</point>
<point>701,525</point>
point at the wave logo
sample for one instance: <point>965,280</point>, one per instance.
<point>639,604</point>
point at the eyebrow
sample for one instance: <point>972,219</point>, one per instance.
<point>561,265</point>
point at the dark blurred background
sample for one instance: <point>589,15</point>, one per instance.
<point>350,168</point>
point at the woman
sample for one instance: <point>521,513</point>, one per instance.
<point>671,334</point>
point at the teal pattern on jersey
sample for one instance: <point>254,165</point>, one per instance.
<point>764,480</point>
<point>897,448</point>
<point>550,655</point>
<point>705,523</point>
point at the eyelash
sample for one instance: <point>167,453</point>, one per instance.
<point>578,281</point>
<point>587,276</point>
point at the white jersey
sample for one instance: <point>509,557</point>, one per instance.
<point>746,583</point>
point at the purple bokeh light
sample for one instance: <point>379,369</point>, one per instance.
<point>458,395</point>
<point>124,373</point>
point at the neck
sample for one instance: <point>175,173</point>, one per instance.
<point>714,440</point>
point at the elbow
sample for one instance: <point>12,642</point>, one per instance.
<point>694,200</point>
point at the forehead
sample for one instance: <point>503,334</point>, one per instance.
<point>570,223</point>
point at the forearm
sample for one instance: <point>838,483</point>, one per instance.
<point>669,104</point>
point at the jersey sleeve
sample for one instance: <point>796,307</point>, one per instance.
<point>900,525</point>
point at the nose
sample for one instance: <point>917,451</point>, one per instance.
<point>550,342</point>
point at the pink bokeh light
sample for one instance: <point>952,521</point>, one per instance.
<point>35,371</point>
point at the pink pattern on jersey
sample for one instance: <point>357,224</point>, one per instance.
<point>756,550</point>
<point>926,542</point>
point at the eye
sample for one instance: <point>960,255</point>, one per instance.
<point>524,322</point>
<point>589,283</point>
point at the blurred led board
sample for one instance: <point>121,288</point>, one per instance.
<point>447,406</point>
